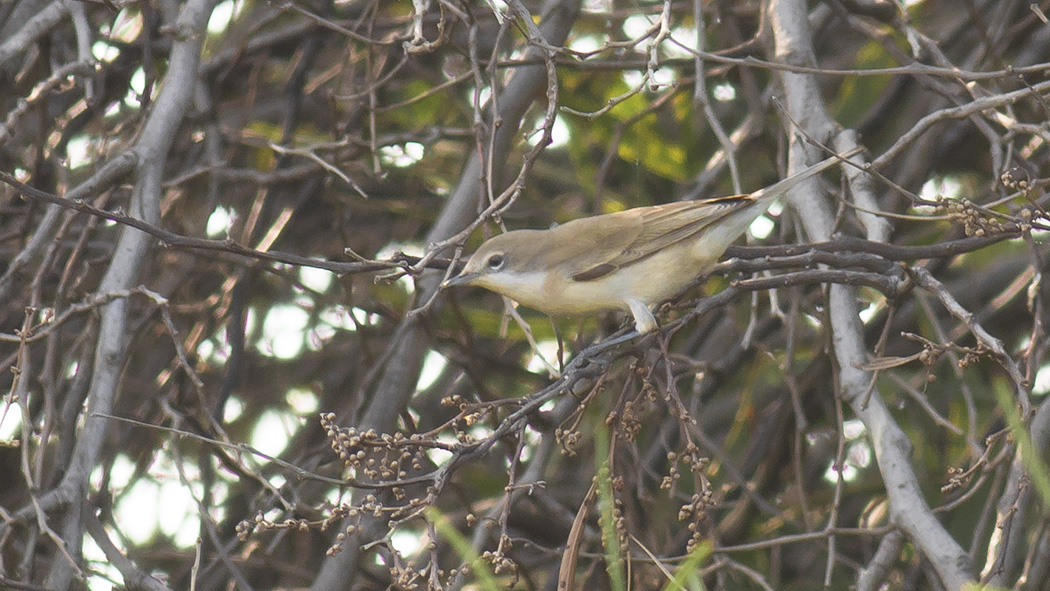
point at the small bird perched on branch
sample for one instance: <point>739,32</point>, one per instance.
<point>630,260</point>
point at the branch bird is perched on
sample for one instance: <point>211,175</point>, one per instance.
<point>630,260</point>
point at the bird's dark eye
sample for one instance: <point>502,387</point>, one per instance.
<point>495,261</point>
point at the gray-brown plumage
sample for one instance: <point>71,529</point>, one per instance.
<point>630,260</point>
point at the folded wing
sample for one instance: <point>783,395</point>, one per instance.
<point>660,227</point>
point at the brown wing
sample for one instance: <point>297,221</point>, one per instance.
<point>661,226</point>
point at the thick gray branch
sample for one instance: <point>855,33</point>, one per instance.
<point>892,447</point>
<point>131,251</point>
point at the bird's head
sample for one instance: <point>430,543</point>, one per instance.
<point>510,264</point>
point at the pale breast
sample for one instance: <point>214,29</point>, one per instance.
<point>651,280</point>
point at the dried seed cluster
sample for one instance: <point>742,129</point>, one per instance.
<point>501,564</point>
<point>982,221</point>
<point>379,457</point>
<point>956,479</point>
<point>619,523</point>
<point>696,509</point>
<point>260,523</point>
<point>1017,179</point>
<point>975,220</point>
<point>568,439</point>
<point>376,456</point>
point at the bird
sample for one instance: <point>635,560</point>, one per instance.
<point>631,260</point>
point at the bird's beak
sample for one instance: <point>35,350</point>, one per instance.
<point>461,279</point>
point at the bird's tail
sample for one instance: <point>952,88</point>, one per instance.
<point>780,188</point>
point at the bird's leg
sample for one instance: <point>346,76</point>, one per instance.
<point>644,323</point>
<point>644,320</point>
<point>508,305</point>
<point>561,345</point>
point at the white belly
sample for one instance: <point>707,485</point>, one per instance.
<point>651,280</point>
